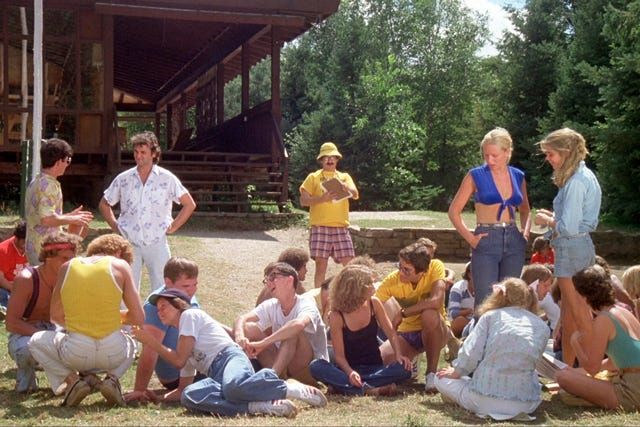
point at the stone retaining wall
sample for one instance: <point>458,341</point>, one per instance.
<point>384,243</point>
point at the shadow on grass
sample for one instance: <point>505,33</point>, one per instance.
<point>229,234</point>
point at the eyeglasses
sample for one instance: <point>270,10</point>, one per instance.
<point>68,160</point>
<point>405,270</point>
<point>271,277</point>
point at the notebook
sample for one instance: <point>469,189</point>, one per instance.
<point>334,185</point>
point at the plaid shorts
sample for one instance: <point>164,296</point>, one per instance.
<point>326,242</point>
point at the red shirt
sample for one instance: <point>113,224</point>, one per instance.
<point>11,261</point>
<point>538,258</point>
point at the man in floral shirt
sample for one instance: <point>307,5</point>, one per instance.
<point>146,194</point>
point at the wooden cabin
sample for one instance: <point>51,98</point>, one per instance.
<point>164,65</point>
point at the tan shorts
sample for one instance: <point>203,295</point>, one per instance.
<point>627,388</point>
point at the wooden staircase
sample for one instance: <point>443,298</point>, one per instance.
<point>227,184</point>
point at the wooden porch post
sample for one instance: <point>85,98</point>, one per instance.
<point>37,85</point>
<point>220,93</point>
<point>275,77</point>
<point>245,77</point>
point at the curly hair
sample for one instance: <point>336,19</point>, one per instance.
<point>631,281</point>
<point>510,292</point>
<point>350,288</point>
<point>111,244</point>
<point>417,255</point>
<point>594,284</point>
<point>150,140</point>
<point>572,148</point>
<point>53,243</point>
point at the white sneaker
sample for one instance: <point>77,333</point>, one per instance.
<point>279,408</point>
<point>430,383</point>
<point>305,393</point>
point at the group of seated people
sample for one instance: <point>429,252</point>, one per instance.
<point>355,335</point>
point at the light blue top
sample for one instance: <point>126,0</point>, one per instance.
<point>577,204</point>
<point>501,351</point>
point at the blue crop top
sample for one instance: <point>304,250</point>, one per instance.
<point>487,193</point>
<point>624,350</point>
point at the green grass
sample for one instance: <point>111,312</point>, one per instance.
<point>224,293</point>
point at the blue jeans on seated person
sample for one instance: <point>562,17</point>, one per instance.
<point>4,297</point>
<point>19,351</point>
<point>497,256</point>
<point>371,376</point>
<point>231,385</point>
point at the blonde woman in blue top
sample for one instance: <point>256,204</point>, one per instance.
<point>498,190</point>
<point>575,215</point>
<point>501,351</point>
<point>615,333</point>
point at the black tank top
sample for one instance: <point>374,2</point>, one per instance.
<point>361,346</point>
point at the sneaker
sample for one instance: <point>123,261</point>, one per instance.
<point>430,383</point>
<point>110,389</point>
<point>278,408</point>
<point>76,393</point>
<point>306,393</point>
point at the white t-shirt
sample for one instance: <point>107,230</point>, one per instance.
<point>270,315</point>
<point>210,338</point>
<point>551,309</point>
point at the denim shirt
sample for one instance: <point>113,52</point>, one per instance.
<point>501,351</point>
<point>577,204</point>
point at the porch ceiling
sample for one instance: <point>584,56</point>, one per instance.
<point>160,44</point>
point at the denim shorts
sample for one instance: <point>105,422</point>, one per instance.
<point>573,254</point>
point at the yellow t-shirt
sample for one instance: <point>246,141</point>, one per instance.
<point>327,214</point>
<point>91,298</point>
<point>407,296</point>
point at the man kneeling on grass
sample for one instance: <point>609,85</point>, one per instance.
<point>298,334</point>
<point>86,301</point>
<point>232,387</point>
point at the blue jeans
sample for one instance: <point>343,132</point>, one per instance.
<point>498,255</point>
<point>4,297</point>
<point>573,254</point>
<point>26,365</point>
<point>231,385</point>
<point>371,375</point>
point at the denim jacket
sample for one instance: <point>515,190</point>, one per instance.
<point>501,351</point>
<point>577,204</point>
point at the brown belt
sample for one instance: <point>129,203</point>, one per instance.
<point>633,370</point>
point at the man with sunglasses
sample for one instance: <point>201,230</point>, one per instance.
<point>418,286</point>
<point>298,333</point>
<point>43,201</point>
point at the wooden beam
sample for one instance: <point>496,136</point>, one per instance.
<point>275,78</point>
<point>220,94</point>
<point>203,15</point>
<point>291,6</point>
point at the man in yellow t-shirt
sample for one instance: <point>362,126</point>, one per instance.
<point>328,211</point>
<point>418,286</point>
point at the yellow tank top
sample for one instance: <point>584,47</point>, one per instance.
<point>91,298</point>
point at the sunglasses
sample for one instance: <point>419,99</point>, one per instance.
<point>68,160</point>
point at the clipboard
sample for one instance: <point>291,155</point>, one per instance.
<point>334,185</point>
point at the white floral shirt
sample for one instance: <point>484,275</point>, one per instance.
<point>145,209</point>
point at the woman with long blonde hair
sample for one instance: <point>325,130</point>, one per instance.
<point>501,351</point>
<point>575,214</point>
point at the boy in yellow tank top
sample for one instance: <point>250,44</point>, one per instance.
<point>328,211</point>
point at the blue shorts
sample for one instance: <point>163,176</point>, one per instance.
<point>573,254</point>
<point>414,339</point>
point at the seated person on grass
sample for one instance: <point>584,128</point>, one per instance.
<point>501,353</point>
<point>12,261</point>
<point>540,279</point>
<point>296,258</point>
<point>231,387</point>
<point>182,274</point>
<point>298,333</point>
<point>542,251</point>
<point>614,333</point>
<point>461,302</point>
<point>86,302</point>
<point>30,303</point>
<point>355,317</point>
<point>418,286</point>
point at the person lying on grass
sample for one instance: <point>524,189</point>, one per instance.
<point>354,320</point>
<point>615,332</point>
<point>232,387</point>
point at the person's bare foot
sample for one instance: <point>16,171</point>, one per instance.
<point>385,390</point>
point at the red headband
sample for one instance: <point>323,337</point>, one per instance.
<point>59,246</point>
